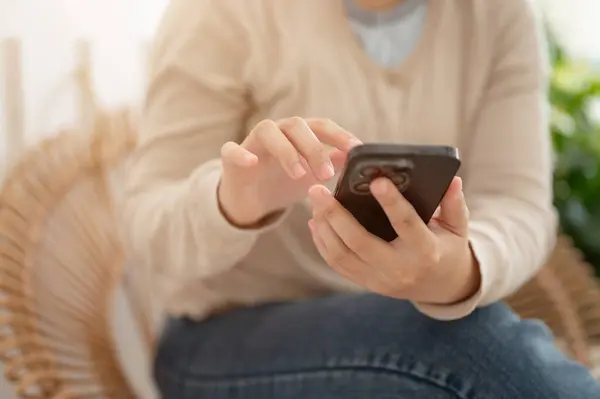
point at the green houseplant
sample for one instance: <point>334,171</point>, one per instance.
<point>574,89</point>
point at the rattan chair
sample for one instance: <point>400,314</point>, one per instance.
<point>61,261</point>
<point>566,296</point>
<point>60,264</point>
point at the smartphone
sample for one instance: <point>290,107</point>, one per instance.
<point>422,173</point>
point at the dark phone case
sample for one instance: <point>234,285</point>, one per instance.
<point>431,172</point>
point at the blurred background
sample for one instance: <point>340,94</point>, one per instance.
<point>44,41</point>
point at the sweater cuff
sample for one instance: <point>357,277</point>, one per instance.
<point>483,249</point>
<point>217,224</point>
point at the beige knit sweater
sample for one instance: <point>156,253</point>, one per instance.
<point>475,81</point>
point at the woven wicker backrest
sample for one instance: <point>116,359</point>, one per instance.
<point>60,262</point>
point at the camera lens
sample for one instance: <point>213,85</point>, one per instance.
<point>362,188</point>
<point>391,170</point>
<point>401,180</point>
<point>370,172</point>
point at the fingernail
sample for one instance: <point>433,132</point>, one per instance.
<point>317,193</point>
<point>327,171</point>
<point>250,159</point>
<point>298,171</point>
<point>460,183</point>
<point>379,187</point>
<point>355,142</point>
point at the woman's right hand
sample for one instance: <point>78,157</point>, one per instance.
<point>276,164</point>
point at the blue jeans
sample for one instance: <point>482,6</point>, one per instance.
<point>368,347</point>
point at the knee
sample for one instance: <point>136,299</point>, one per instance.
<point>490,350</point>
<point>394,323</point>
<point>381,314</point>
<point>491,334</point>
<point>517,356</point>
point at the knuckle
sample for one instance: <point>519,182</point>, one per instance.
<point>411,218</point>
<point>296,121</point>
<point>405,220</point>
<point>432,257</point>
<point>317,150</point>
<point>414,281</point>
<point>338,256</point>
<point>403,279</point>
<point>264,126</point>
<point>316,123</point>
<point>409,281</point>
<point>226,149</point>
<point>266,123</point>
<point>230,152</point>
<point>324,123</point>
<point>410,276</point>
<point>357,243</point>
<point>329,212</point>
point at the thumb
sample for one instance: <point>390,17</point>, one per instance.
<point>454,215</point>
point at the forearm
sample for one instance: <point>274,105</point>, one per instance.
<point>177,228</point>
<point>512,246</point>
<point>195,102</point>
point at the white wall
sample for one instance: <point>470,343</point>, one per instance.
<point>118,28</point>
<point>577,23</point>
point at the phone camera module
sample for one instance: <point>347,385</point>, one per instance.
<point>370,172</point>
<point>401,179</point>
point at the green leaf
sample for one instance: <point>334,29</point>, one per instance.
<point>574,94</point>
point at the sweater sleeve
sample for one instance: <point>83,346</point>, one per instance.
<point>508,169</point>
<point>196,101</point>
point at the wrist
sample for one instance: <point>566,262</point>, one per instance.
<point>248,214</point>
<point>239,215</point>
<point>461,282</point>
<point>469,278</point>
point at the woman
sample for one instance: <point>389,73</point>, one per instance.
<point>272,288</point>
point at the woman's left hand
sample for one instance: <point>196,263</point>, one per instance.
<point>426,263</point>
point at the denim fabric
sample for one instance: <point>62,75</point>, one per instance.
<point>364,346</point>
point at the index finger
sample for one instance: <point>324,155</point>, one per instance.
<point>333,134</point>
